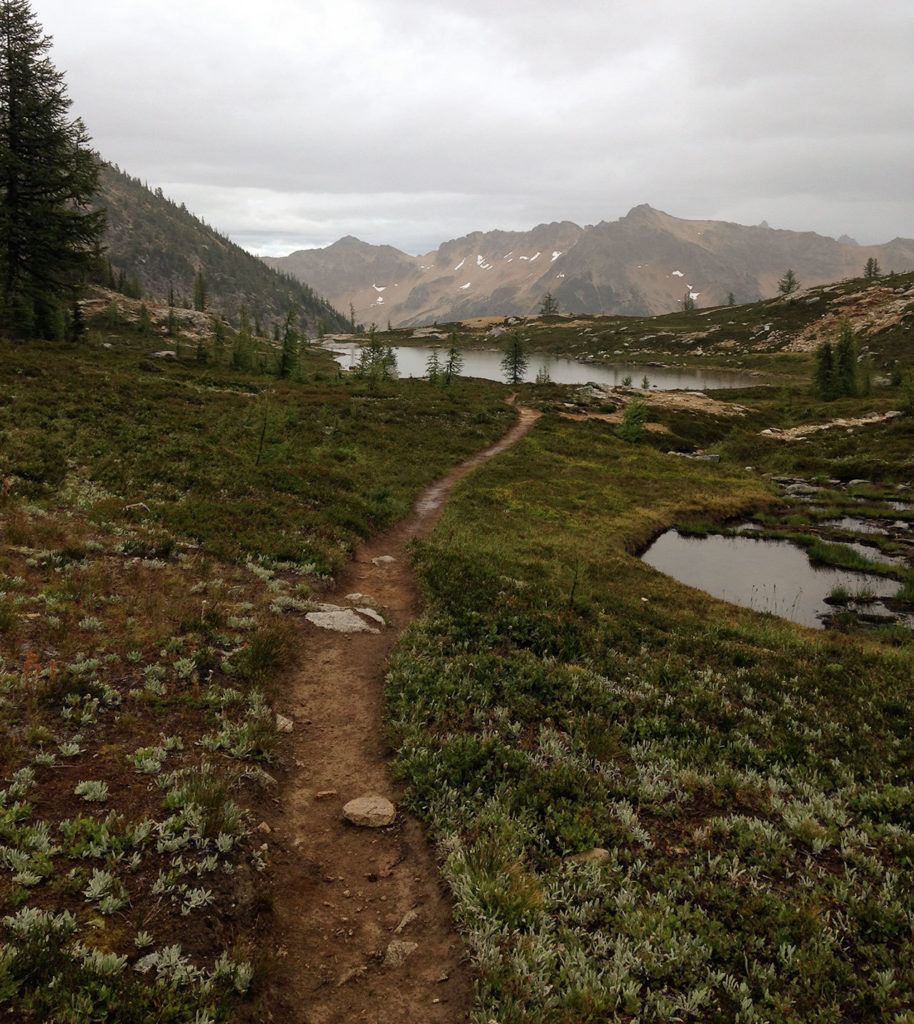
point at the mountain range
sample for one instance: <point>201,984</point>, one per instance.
<point>643,264</point>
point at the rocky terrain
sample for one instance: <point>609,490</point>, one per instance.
<point>643,264</point>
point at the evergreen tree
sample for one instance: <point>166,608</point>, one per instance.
<point>433,367</point>
<point>352,317</point>
<point>788,284</point>
<point>219,338</point>
<point>49,236</point>
<point>171,327</point>
<point>199,292</point>
<point>377,361</point>
<point>77,323</point>
<point>825,372</point>
<point>514,363</point>
<point>847,374</point>
<point>688,303</point>
<point>144,324</point>
<point>171,297</point>
<point>453,365</point>
<point>243,351</point>
<point>872,271</point>
<point>549,306</point>
<point>202,354</point>
<point>631,429</point>
<point>731,299</point>
<point>288,359</point>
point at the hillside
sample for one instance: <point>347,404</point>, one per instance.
<point>789,328</point>
<point>163,245</point>
<point>640,265</point>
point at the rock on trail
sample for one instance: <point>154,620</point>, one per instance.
<point>370,812</point>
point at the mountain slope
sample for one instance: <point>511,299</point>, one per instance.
<point>163,246</point>
<point>642,264</point>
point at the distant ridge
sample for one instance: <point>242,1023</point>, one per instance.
<point>642,264</point>
<point>162,245</point>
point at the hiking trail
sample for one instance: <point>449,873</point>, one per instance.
<point>362,923</point>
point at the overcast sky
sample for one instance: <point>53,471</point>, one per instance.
<point>289,123</point>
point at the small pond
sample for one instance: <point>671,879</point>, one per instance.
<point>486,364</point>
<point>766,575</point>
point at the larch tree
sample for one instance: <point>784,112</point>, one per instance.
<point>847,370</point>
<point>514,363</point>
<point>453,364</point>
<point>789,283</point>
<point>50,237</point>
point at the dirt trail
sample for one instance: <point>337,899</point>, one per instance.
<point>342,892</point>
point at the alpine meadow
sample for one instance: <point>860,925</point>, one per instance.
<point>514,629</point>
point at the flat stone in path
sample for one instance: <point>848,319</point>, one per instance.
<point>340,620</point>
<point>370,811</point>
<point>383,560</point>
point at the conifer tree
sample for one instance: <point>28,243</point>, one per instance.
<point>243,350</point>
<point>788,284</point>
<point>514,363</point>
<point>688,303</point>
<point>49,236</point>
<point>872,270</point>
<point>288,360</point>
<point>825,371</point>
<point>377,361</point>
<point>453,365</point>
<point>847,373</point>
<point>77,323</point>
<point>144,324</point>
<point>731,299</point>
<point>549,305</point>
<point>219,338</point>
<point>433,367</point>
<point>200,292</point>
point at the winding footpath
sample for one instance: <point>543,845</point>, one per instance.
<point>363,929</point>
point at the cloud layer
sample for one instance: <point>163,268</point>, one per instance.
<point>292,122</point>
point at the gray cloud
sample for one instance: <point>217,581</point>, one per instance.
<point>291,122</point>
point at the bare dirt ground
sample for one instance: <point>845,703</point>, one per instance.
<point>343,894</point>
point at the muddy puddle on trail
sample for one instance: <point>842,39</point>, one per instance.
<point>765,575</point>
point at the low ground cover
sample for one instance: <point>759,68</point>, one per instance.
<point>162,526</point>
<point>739,788</point>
